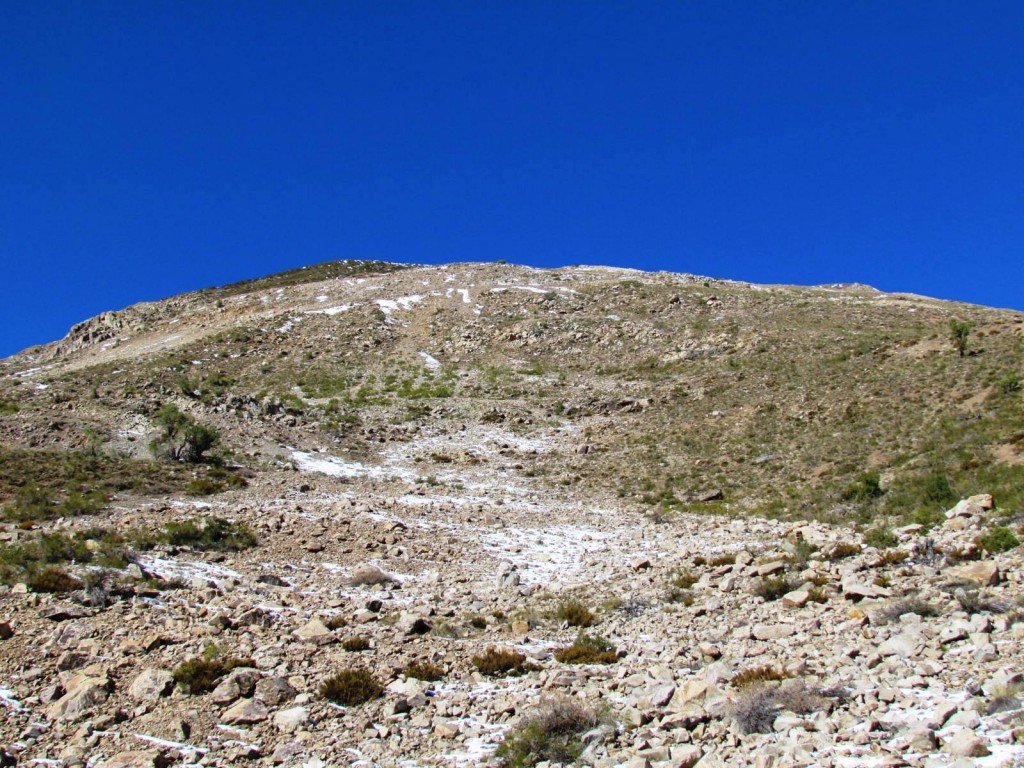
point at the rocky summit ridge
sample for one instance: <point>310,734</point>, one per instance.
<point>375,514</point>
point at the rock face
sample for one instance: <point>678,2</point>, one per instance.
<point>151,684</point>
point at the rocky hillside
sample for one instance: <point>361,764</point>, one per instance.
<point>615,515</point>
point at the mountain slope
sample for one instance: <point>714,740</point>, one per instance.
<point>661,387</point>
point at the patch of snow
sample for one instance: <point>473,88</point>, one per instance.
<point>8,700</point>
<point>338,467</point>
<point>465,295</point>
<point>388,306</point>
<point>432,363</point>
<point>288,324</point>
<point>321,299</point>
<point>183,748</point>
<point>331,311</point>
<point>166,568</point>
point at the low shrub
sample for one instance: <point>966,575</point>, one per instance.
<point>575,614</point>
<point>201,675</point>
<point>757,675</point>
<point>880,538</point>
<point>351,687</point>
<point>53,579</point>
<point>842,551</point>
<point>551,733</point>
<point>996,540</point>
<point>910,604</point>
<point>758,705</point>
<point>683,578</point>
<point>209,533</point>
<point>774,587</point>
<point>478,622</point>
<point>424,670</point>
<point>498,662</point>
<point>356,644</point>
<point>588,649</point>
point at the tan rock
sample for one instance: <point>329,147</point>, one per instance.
<point>150,685</point>
<point>984,572</point>
<point>245,711</point>
<point>316,632</point>
<point>796,599</point>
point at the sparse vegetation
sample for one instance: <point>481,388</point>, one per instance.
<point>181,438</point>
<point>909,604</point>
<point>960,334</point>
<point>351,687</point>
<point>996,540</point>
<point>757,676</point>
<point>550,733</point>
<point>208,533</point>
<point>588,649</point>
<point>201,675</point>
<point>356,644</point>
<point>758,705</point>
<point>575,614</point>
<point>499,662</point>
<point>773,587</point>
<point>424,670</point>
<point>880,538</point>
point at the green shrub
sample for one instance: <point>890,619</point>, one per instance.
<point>880,538</point>
<point>588,649</point>
<point>843,550</point>
<point>774,587</point>
<point>201,675</point>
<point>997,539</point>
<point>551,733</point>
<point>53,579</point>
<point>498,662</point>
<point>575,614</point>
<point>424,670</point>
<point>181,438</point>
<point>351,687</point>
<point>866,487</point>
<point>209,533</point>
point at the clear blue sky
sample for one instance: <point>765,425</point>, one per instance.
<point>149,148</point>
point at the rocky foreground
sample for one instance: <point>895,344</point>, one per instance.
<point>853,655</point>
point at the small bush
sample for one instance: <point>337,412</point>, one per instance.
<point>337,621</point>
<point>209,533</point>
<point>892,557</point>
<point>478,622</point>
<point>181,438</point>
<point>53,579</point>
<point>973,601</point>
<point>497,662</point>
<point>201,675</point>
<point>551,733</point>
<point>575,614</point>
<point>997,539</point>
<point>866,487</point>
<point>758,705</point>
<point>351,687</point>
<point>774,587</point>
<point>719,560</point>
<point>424,670</point>
<point>880,538</point>
<point>356,644</point>
<point>588,649</point>
<point>757,675</point>
<point>684,578</point>
<point>842,551</point>
<point>911,604</point>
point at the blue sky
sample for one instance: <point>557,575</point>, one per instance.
<point>152,148</point>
